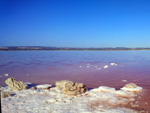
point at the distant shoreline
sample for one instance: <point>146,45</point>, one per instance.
<point>75,50</point>
<point>41,48</point>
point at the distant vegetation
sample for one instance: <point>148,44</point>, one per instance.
<point>19,48</point>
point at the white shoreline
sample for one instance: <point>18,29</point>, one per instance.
<point>98,100</point>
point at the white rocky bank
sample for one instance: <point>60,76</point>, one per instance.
<point>48,99</point>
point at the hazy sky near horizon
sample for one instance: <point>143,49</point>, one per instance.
<point>75,23</point>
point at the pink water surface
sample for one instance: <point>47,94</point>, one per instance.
<point>87,67</point>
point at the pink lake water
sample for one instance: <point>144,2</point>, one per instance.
<point>79,66</point>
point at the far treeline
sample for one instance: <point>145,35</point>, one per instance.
<point>23,48</point>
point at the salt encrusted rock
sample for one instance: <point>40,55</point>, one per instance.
<point>16,85</point>
<point>5,94</point>
<point>64,84</point>
<point>44,86</point>
<point>71,88</point>
<point>132,88</point>
<point>130,85</point>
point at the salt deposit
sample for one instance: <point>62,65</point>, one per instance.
<point>87,66</point>
<point>28,83</point>
<point>124,80</point>
<point>136,90</point>
<point>5,94</point>
<point>113,64</point>
<point>6,74</point>
<point>131,87</point>
<point>106,66</point>
<point>99,100</point>
<point>106,89</point>
<point>44,86</point>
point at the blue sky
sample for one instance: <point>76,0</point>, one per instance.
<point>75,23</point>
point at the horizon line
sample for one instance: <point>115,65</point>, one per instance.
<point>75,47</point>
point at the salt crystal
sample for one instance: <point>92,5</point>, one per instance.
<point>112,64</point>
<point>6,74</point>
<point>28,83</point>
<point>124,80</point>
<point>106,66</point>
<point>51,100</point>
<point>44,86</point>
<point>106,89</point>
<point>136,89</point>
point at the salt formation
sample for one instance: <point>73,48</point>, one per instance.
<point>15,85</point>
<point>131,85</point>
<point>44,86</point>
<point>71,88</point>
<point>56,100</point>
<point>87,66</point>
<point>124,80</point>
<point>104,89</point>
<point>132,88</point>
<point>113,64</point>
<point>6,74</point>
<point>106,66</point>
<point>5,94</point>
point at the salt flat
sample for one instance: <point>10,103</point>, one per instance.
<point>99,100</point>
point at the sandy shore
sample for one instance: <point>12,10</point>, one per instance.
<point>99,100</point>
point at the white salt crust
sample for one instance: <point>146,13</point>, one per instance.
<point>99,100</point>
